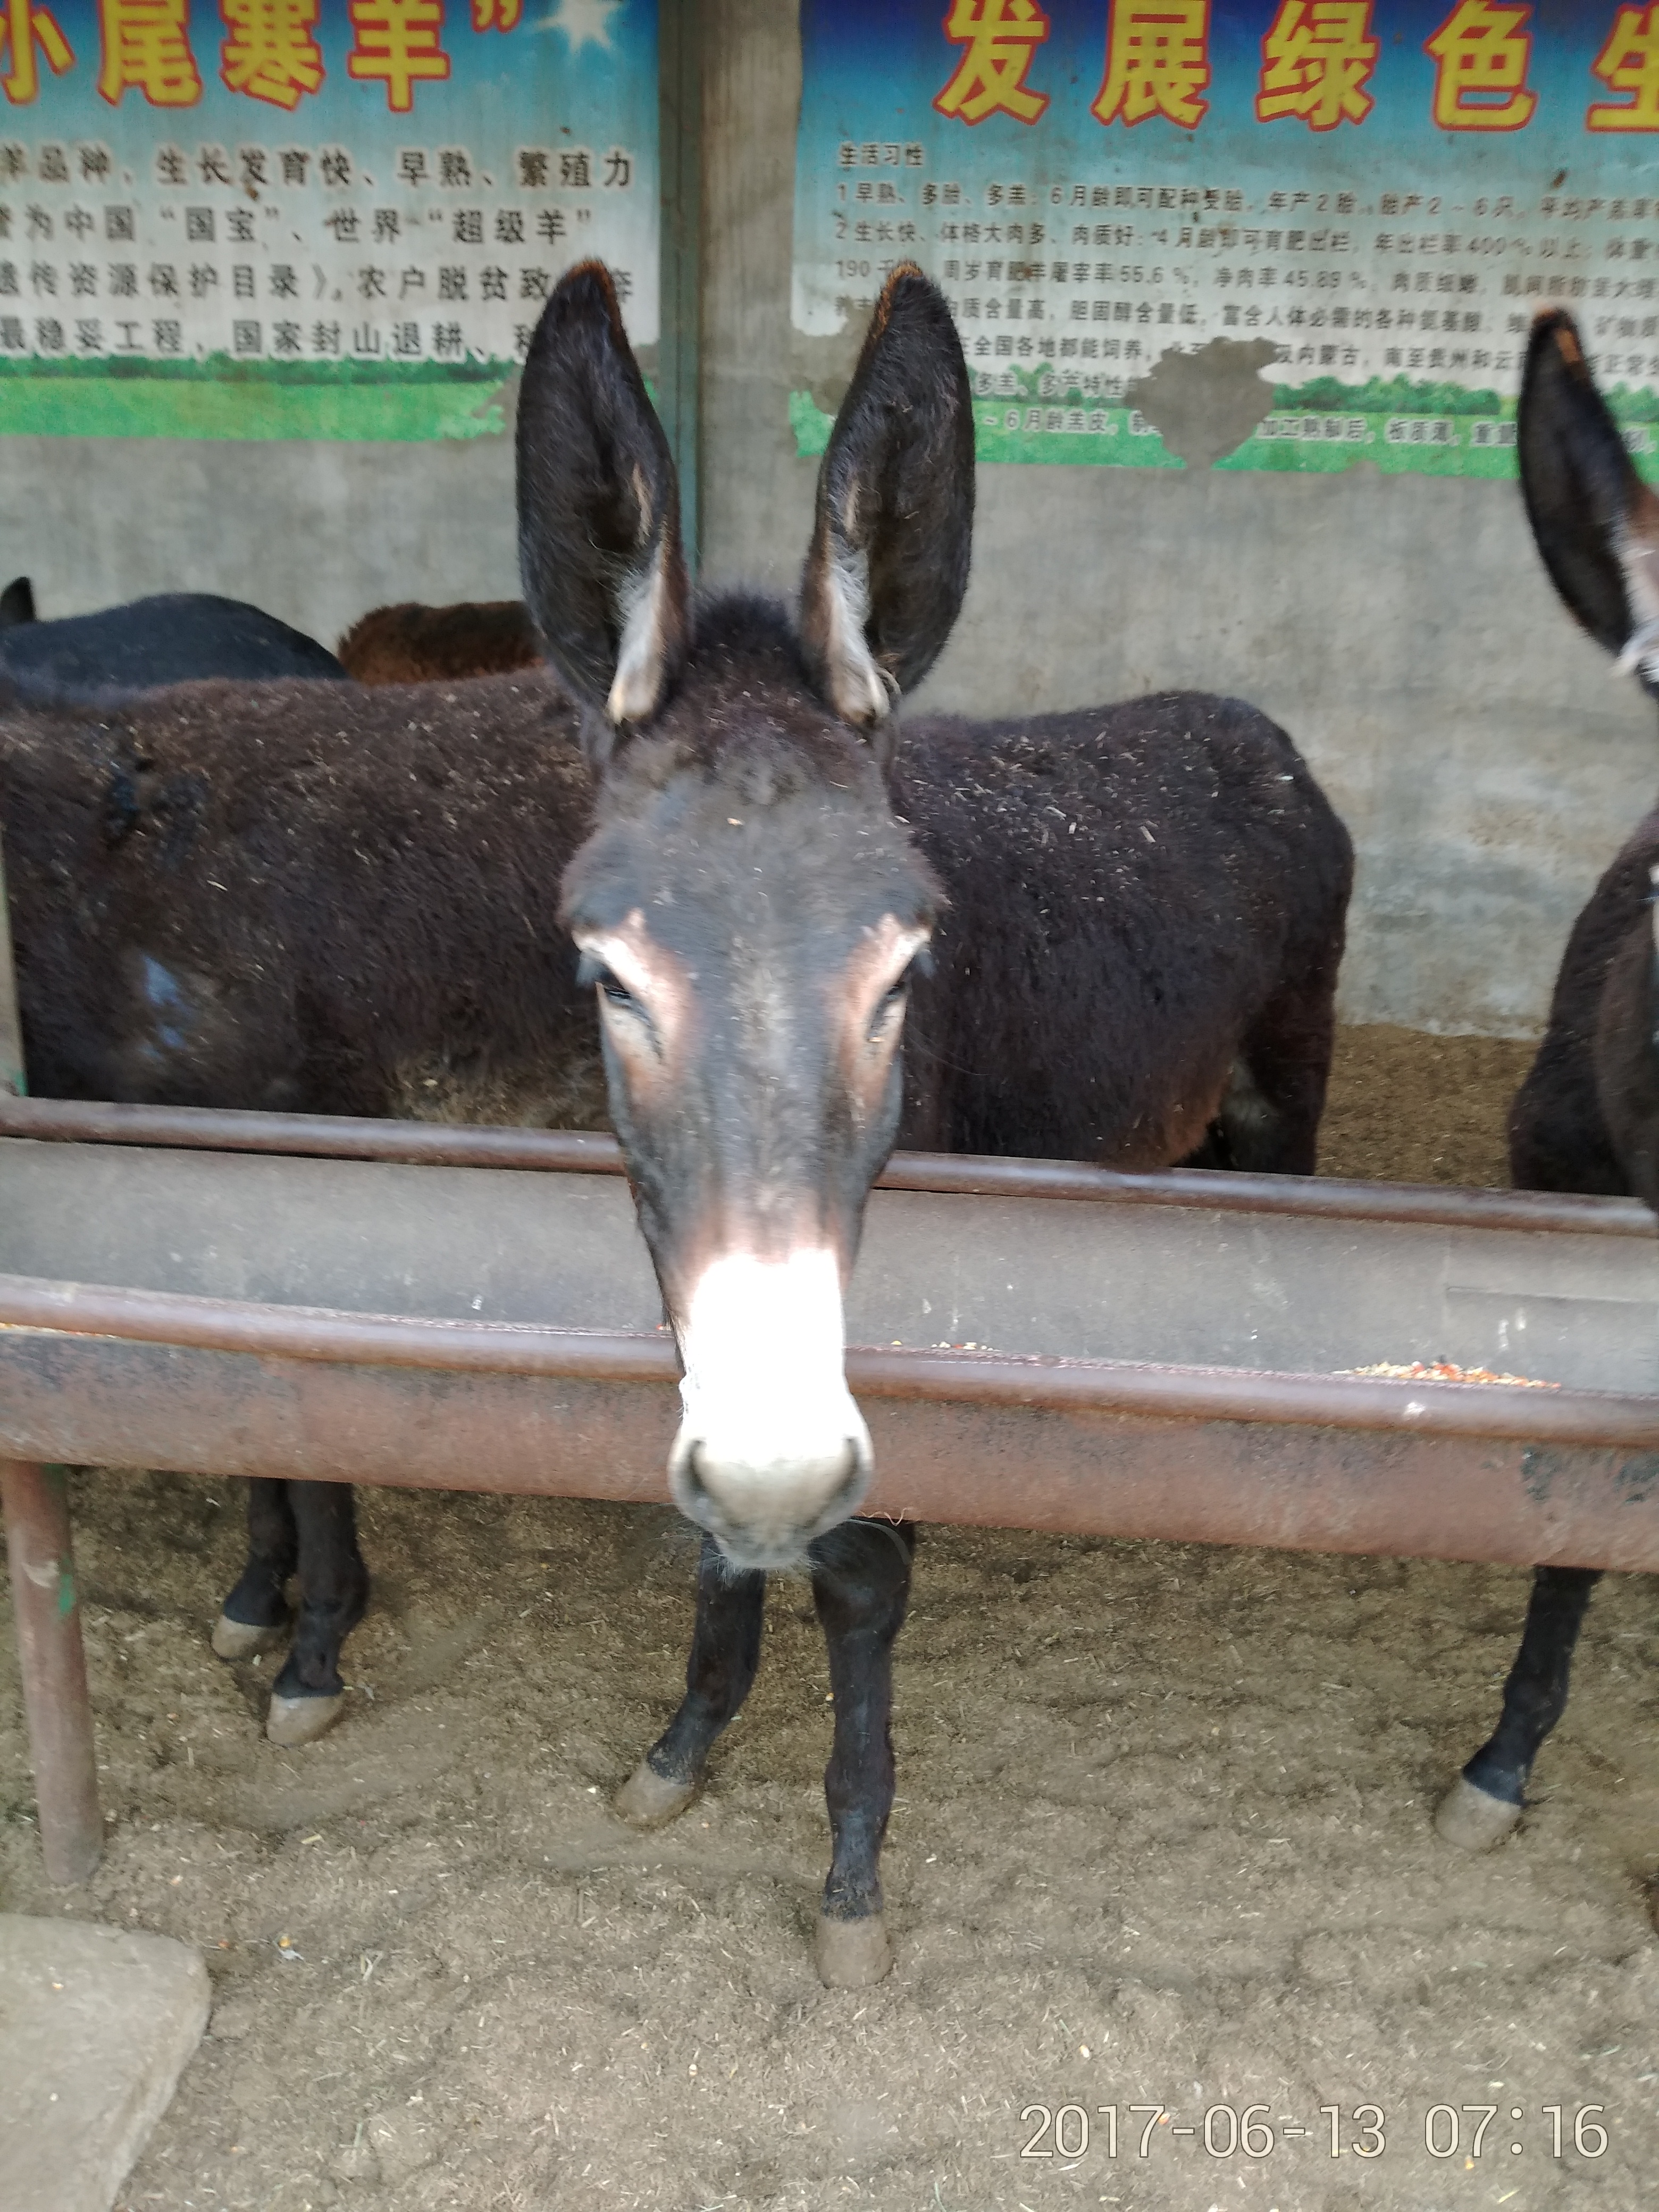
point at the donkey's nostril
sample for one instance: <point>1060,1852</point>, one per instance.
<point>853,1482</point>
<point>697,1490</point>
<point>767,1507</point>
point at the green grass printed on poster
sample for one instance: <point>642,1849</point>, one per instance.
<point>1458,446</point>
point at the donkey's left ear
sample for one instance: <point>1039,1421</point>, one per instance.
<point>888,564</point>
<point>598,508</point>
<point>1595,523</point>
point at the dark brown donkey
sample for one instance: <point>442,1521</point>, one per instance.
<point>412,644</point>
<point>1587,1117</point>
<point>313,897</point>
<point>1098,935</point>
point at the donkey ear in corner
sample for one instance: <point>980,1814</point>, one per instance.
<point>888,564</point>
<point>1595,523</point>
<point>17,603</point>
<point>599,547</point>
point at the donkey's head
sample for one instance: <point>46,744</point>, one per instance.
<point>1596,524</point>
<point>1595,521</point>
<point>748,906</point>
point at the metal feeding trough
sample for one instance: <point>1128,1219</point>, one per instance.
<point>1035,1345</point>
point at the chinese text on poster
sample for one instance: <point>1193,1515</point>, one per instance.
<point>1378,193</point>
<point>306,218</point>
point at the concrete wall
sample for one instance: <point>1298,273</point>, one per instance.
<point>317,533</point>
<point>1401,628</point>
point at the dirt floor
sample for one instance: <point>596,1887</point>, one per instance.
<point>1406,1107</point>
<point>1162,1840</point>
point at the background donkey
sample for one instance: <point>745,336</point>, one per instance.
<point>414,644</point>
<point>1102,931</point>
<point>313,897</point>
<point>172,638</point>
<point>1587,1117</point>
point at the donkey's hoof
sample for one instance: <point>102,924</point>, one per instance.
<point>851,1954</point>
<point>650,1800</point>
<point>241,1639</point>
<point>1472,1819</point>
<point>302,1720</point>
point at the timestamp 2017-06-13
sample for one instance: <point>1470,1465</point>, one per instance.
<point>1070,2132</point>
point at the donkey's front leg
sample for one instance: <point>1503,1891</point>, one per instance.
<point>719,1674</point>
<point>861,1585</point>
<point>1485,1803</point>
<point>255,1614</point>
<point>308,1694</point>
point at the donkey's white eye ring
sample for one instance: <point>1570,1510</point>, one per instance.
<point>612,987</point>
<point>591,969</point>
<point>895,998</point>
<point>891,1003</point>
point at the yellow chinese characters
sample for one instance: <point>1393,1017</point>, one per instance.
<point>23,27</point>
<point>147,49</point>
<point>1001,36</point>
<point>1315,61</point>
<point>496,15</point>
<point>270,53</point>
<point>397,46</point>
<point>1629,62</point>
<point>1157,63</point>
<point>1480,50</point>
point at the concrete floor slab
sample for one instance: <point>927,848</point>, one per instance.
<point>96,2026</point>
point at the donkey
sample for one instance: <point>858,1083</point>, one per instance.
<point>216,885</point>
<point>1587,1116</point>
<point>1110,935</point>
<point>172,638</point>
<point>311,897</point>
<point>413,644</point>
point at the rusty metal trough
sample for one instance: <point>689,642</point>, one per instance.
<point>1036,1345</point>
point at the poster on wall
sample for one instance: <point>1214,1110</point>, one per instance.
<point>309,218</point>
<point>1360,203</point>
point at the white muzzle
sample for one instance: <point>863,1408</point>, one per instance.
<point>771,1450</point>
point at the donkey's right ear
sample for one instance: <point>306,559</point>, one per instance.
<point>1595,523</point>
<point>888,564</point>
<point>599,547</point>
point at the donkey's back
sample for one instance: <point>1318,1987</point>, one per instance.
<point>1147,905</point>
<point>175,637</point>
<point>298,895</point>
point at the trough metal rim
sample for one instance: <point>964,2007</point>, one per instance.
<point>38,1305</point>
<point>963,1175</point>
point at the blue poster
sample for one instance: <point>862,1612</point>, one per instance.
<point>1375,196</point>
<point>309,218</point>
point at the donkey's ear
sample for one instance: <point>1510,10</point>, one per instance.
<point>598,508</point>
<point>16,603</point>
<point>888,564</point>
<point>1596,522</point>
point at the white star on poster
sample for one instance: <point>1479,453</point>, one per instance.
<point>584,22</point>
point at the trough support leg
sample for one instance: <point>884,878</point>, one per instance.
<point>860,1586</point>
<point>1486,1802</point>
<point>725,1647</point>
<point>54,1668</point>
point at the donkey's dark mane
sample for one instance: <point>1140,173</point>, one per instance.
<point>743,655</point>
<point>729,624</point>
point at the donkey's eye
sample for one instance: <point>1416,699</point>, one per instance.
<point>891,1002</point>
<point>591,969</point>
